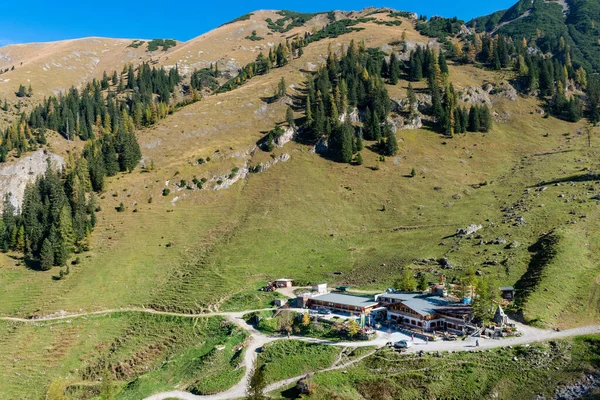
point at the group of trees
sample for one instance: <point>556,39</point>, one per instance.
<point>58,209</point>
<point>23,92</point>
<point>144,95</point>
<point>425,63</point>
<point>263,65</point>
<point>450,118</point>
<point>353,80</point>
<point>546,76</point>
<point>205,78</point>
<point>56,217</point>
<point>551,55</point>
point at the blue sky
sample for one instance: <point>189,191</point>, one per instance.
<point>49,20</point>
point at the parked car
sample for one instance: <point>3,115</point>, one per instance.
<point>402,344</point>
<point>450,337</point>
<point>324,311</point>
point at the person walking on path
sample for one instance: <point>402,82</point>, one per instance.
<point>477,343</point>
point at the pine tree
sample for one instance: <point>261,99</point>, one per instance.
<point>474,122</point>
<point>485,119</point>
<point>436,104</point>
<point>391,143</point>
<point>358,160</point>
<point>281,90</point>
<point>394,69</point>
<point>574,110</point>
<point>22,92</point>
<point>46,255</point>
<point>340,143</point>
<point>289,117</point>
<point>104,83</point>
<point>443,64</point>
<point>359,143</point>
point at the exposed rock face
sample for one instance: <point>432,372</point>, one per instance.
<point>475,95</point>
<point>504,89</point>
<point>489,93</point>
<point>400,123</point>
<point>282,158</point>
<point>469,230</point>
<point>288,136</point>
<point>354,116</point>
<point>15,177</point>
<point>224,182</point>
<point>322,147</point>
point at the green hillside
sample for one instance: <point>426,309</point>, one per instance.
<point>546,23</point>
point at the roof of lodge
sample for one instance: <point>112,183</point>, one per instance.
<point>347,299</point>
<point>420,303</point>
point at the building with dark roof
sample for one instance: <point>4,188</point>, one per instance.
<point>417,310</point>
<point>425,311</point>
<point>507,292</point>
<point>343,303</point>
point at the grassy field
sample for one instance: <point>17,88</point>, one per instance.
<point>520,372</point>
<point>143,354</point>
<point>288,358</point>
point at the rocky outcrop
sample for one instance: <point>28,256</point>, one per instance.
<point>14,177</point>
<point>502,90</point>
<point>475,95</point>
<point>400,123</point>
<point>488,94</point>
<point>469,230</point>
<point>288,135</point>
<point>224,182</point>
<point>264,167</point>
<point>354,116</point>
<point>322,147</point>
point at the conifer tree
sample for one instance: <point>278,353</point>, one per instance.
<point>485,119</point>
<point>340,143</point>
<point>289,117</point>
<point>391,143</point>
<point>47,255</point>
<point>474,122</point>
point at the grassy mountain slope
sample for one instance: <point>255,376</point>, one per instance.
<point>306,218</point>
<point>56,66</point>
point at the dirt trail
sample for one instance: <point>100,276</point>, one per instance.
<point>64,316</point>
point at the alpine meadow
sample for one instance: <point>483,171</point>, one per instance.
<point>355,205</point>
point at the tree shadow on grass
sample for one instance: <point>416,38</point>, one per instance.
<point>33,265</point>
<point>572,178</point>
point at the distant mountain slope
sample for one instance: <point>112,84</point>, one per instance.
<point>545,22</point>
<point>53,67</point>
